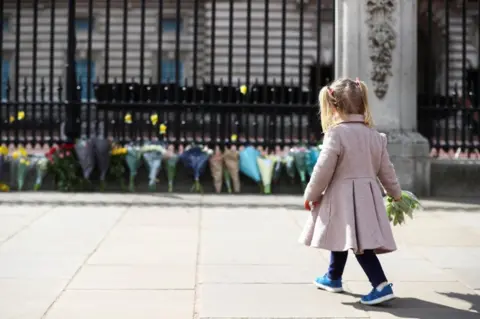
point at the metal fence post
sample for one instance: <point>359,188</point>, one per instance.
<point>72,103</point>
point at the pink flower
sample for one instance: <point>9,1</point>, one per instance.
<point>60,155</point>
<point>68,153</point>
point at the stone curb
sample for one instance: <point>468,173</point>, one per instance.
<point>196,201</point>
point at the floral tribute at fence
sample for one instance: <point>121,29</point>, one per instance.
<point>72,165</point>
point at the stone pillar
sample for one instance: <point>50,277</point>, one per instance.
<point>376,40</point>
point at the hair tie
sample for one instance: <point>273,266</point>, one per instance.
<point>357,81</point>
<point>330,91</point>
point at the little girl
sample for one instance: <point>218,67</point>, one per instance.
<point>347,209</point>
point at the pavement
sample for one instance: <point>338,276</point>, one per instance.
<point>68,256</point>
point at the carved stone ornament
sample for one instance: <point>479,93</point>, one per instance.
<point>382,42</point>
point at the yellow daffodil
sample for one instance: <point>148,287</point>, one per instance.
<point>234,137</point>
<point>243,89</point>
<point>163,129</point>
<point>15,155</point>
<point>3,150</point>
<point>22,161</point>
<point>4,188</point>
<point>11,119</point>
<point>21,115</point>
<point>27,163</point>
<point>22,151</point>
<point>154,119</point>
<point>128,118</point>
<point>119,151</point>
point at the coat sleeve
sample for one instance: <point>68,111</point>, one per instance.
<point>386,174</point>
<point>324,168</point>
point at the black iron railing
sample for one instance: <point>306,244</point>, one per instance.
<point>449,77</point>
<point>184,64</point>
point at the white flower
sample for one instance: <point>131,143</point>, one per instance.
<point>42,163</point>
<point>208,150</point>
<point>153,148</point>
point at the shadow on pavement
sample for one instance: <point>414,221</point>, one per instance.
<point>414,308</point>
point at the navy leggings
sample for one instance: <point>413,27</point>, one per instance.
<point>368,260</point>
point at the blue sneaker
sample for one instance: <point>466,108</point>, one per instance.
<point>376,297</point>
<point>328,284</point>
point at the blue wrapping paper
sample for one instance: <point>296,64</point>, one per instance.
<point>248,163</point>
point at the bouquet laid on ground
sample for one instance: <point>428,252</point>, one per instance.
<point>152,155</point>
<point>196,158</point>
<point>3,156</point>
<point>300,157</point>
<point>231,170</point>
<point>266,165</point>
<point>289,162</point>
<point>41,169</point>
<point>19,166</point>
<point>64,167</point>
<point>171,160</point>
<point>134,160</point>
<point>216,168</point>
<point>86,157</point>
<point>277,170</point>
<point>249,165</point>
<point>312,157</point>
<point>117,164</point>
<point>101,149</point>
<point>396,211</point>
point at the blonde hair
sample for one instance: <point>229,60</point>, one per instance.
<point>347,97</point>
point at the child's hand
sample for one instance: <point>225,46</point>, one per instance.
<point>308,206</point>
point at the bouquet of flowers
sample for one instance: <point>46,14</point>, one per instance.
<point>152,155</point>
<point>3,156</point>
<point>277,170</point>
<point>396,211</point>
<point>300,157</point>
<point>312,157</point>
<point>17,155</point>
<point>64,167</point>
<point>102,155</point>
<point>41,168</point>
<point>231,170</point>
<point>266,165</point>
<point>196,159</point>
<point>134,160</point>
<point>248,163</point>
<point>23,167</point>
<point>171,160</point>
<point>117,164</point>
<point>289,163</point>
<point>216,168</point>
<point>86,156</point>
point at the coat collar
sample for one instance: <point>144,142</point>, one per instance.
<point>354,118</point>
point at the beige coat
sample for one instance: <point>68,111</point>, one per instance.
<point>351,214</point>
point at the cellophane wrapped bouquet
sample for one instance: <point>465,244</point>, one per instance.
<point>406,206</point>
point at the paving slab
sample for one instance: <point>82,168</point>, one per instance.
<point>177,217</point>
<point>14,218</point>
<point>468,276</point>
<point>260,274</point>
<point>28,298</point>
<point>452,257</point>
<point>123,304</point>
<point>39,266</point>
<point>131,277</point>
<point>273,301</point>
<point>166,253</point>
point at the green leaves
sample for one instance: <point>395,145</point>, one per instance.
<point>396,211</point>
